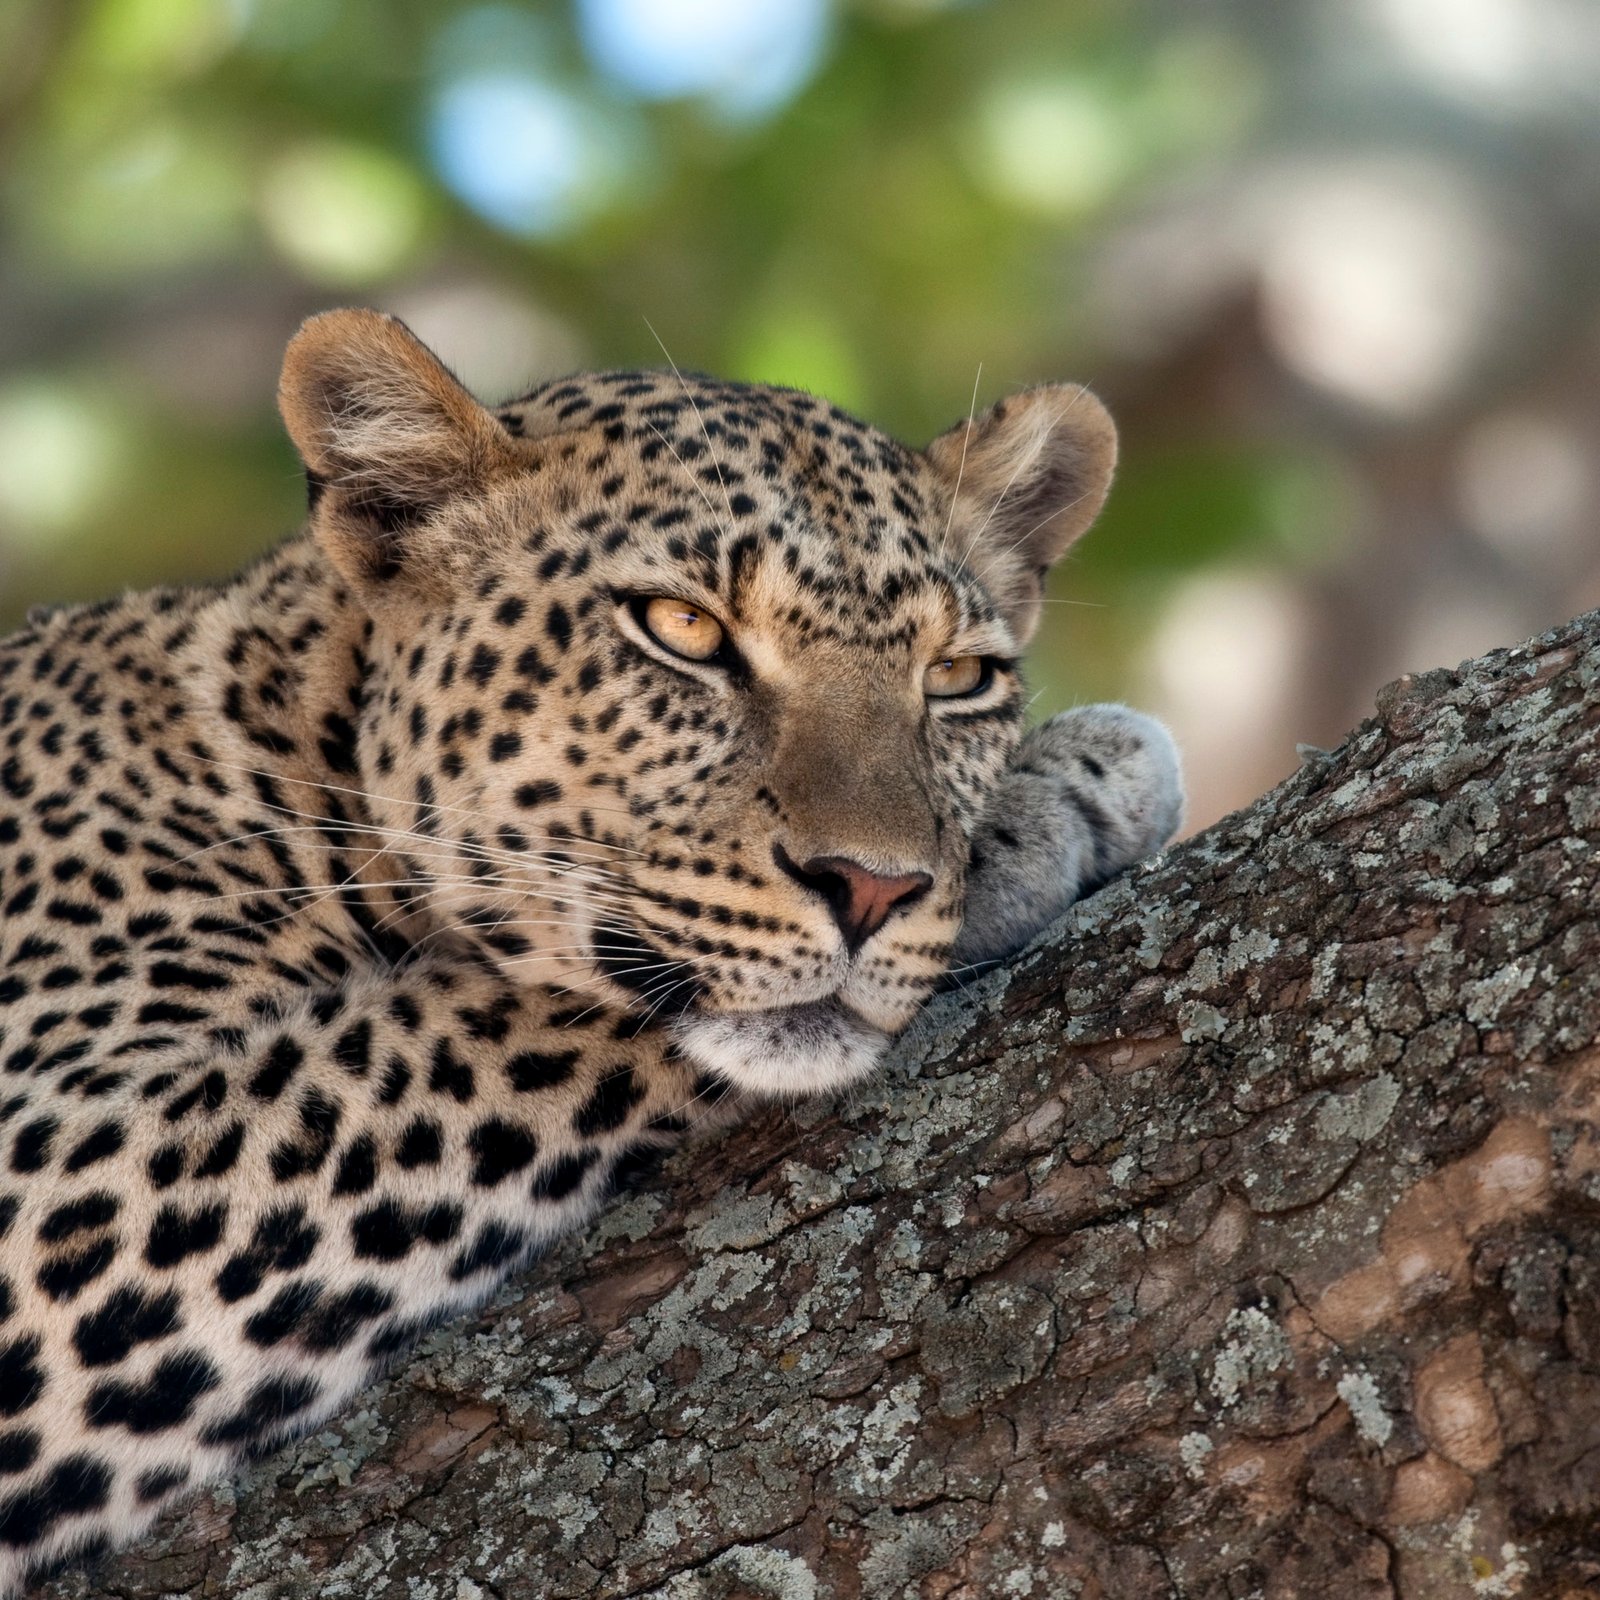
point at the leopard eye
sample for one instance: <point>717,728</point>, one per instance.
<point>955,676</point>
<point>683,628</point>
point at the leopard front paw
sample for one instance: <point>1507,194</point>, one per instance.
<point>1088,793</point>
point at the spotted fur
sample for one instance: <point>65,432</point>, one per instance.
<point>366,920</point>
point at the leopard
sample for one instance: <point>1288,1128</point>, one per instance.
<point>587,770</point>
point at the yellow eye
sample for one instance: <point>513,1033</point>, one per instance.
<point>954,676</point>
<point>683,628</point>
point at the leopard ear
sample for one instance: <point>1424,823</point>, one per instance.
<point>388,437</point>
<point>1026,480</point>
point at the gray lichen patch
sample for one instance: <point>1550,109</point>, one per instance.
<point>1254,1346</point>
<point>757,1571</point>
<point>1362,1113</point>
<point>1359,1391</point>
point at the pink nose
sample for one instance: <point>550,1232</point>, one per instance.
<point>861,900</point>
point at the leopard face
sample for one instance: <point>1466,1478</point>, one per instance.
<point>685,694</point>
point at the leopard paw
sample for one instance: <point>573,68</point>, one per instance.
<point>1088,793</point>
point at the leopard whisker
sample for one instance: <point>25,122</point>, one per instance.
<point>370,795</point>
<point>699,489</point>
<point>966,439</point>
<point>1065,412</point>
<point>704,430</point>
<point>594,866</point>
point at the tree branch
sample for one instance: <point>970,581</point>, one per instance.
<point>1243,1237</point>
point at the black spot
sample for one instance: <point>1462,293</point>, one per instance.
<point>162,1011</point>
<point>353,1048</point>
<point>283,1313</point>
<point>209,1093</point>
<point>176,1234</point>
<point>406,1012</point>
<point>306,1152</point>
<point>499,1149</point>
<point>495,1246</point>
<point>338,745</point>
<point>491,1022</point>
<point>537,1069</point>
<point>79,1484</point>
<point>162,1401</point>
<point>542,791</point>
<point>285,1238</point>
<point>65,1276</point>
<point>219,1159</point>
<point>396,1080</point>
<point>483,664</point>
<point>283,1061</point>
<point>420,1145</point>
<point>31,1148</point>
<point>19,1449</point>
<point>448,1075</point>
<point>358,1168</point>
<point>339,1318</point>
<point>240,1277</point>
<point>638,1163</point>
<point>104,1142</point>
<point>560,1178</point>
<point>165,1166</point>
<point>127,1318</point>
<point>266,1409</point>
<point>78,1216</point>
<point>607,1108</point>
<point>174,975</point>
<point>21,1376</point>
<point>388,1230</point>
<point>158,1483</point>
<point>403,1332</point>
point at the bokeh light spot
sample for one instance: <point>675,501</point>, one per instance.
<point>343,213</point>
<point>525,155</point>
<point>162,38</point>
<point>500,342</point>
<point>58,460</point>
<point>1526,484</point>
<point>1051,147</point>
<point>1386,284</point>
<point>748,59</point>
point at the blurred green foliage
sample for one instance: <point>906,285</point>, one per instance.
<point>180,180</point>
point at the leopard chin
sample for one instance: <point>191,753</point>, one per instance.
<point>784,1054</point>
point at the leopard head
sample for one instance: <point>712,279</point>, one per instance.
<point>684,696</point>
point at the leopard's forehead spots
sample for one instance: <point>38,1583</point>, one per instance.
<point>773,503</point>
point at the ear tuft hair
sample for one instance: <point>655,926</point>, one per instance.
<point>1026,479</point>
<point>387,435</point>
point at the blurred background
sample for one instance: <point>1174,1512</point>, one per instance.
<point>1331,262</point>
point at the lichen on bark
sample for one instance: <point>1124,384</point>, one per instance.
<point>1242,1238</point>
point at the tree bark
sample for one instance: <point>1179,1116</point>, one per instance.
<point>1243,1238</point>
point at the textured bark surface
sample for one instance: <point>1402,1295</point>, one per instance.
<point>1242,1239</point>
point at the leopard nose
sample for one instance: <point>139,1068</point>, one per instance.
<point>861,900</point>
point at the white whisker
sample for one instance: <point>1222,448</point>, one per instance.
<point>705,431</point>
